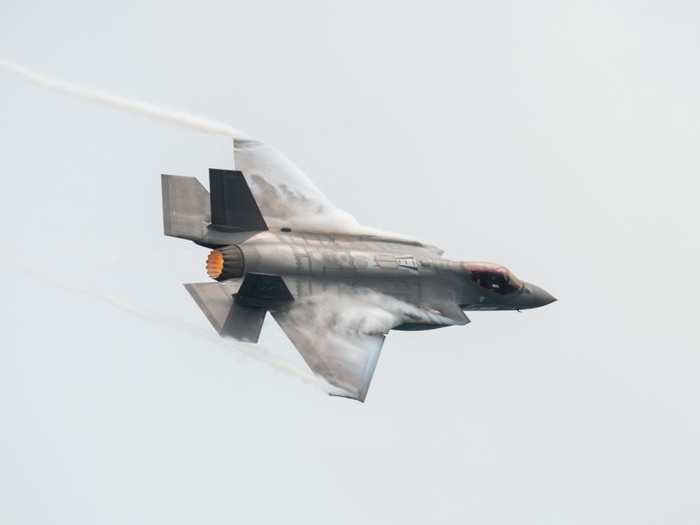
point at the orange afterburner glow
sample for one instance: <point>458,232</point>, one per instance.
<point>215,264</point>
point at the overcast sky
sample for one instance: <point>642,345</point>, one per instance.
<point>558,138</point>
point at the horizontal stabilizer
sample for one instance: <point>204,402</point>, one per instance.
<point>185,207</point>
<point>229,317</point>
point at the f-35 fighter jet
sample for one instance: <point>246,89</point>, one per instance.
<point>335,287</point>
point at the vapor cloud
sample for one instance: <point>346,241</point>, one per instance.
<point>166,115</point>
<point>340,332</point>
<point>354,312</point>
<point>256,352</point>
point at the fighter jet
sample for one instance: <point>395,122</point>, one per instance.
<point>335,287</point>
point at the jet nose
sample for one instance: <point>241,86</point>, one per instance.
<point>535,296</point>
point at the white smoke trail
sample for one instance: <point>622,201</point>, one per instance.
<point>255,352</point>
<point>166,115</point>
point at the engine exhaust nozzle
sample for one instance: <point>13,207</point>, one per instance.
<point>225,263</point>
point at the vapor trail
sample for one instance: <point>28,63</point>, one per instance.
<point>256,352</point>
<point>166,115</point>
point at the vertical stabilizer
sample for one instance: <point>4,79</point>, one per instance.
<point>233,206</point>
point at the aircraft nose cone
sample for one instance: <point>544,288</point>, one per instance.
<point>536,296</point>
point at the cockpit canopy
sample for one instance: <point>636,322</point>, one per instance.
<point>493,277</point>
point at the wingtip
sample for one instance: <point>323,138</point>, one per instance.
<point>347,396</point>
<point>339,392</point>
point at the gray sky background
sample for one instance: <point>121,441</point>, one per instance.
<point>559,138</point>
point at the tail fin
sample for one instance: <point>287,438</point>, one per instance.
<point>185,207</point>
<point>228,317</point>
<point>233,206</point>
<point>188,209</point>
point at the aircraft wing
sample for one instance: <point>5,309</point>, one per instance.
<point>288,199</point>
<point>285,195</point>
<point>339,337</point>
<point>339,330</point>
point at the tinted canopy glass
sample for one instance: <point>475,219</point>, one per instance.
<point>495,278</point>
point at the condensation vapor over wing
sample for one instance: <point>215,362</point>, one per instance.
<point>286,196</point>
